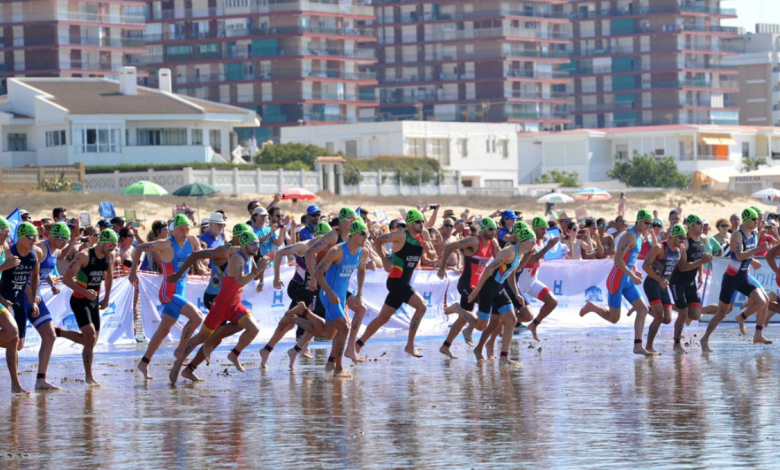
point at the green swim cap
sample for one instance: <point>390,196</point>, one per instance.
<point>345,213</point>
<point>524,234</point>
<point>539,222</point>
<point>749,214</point>
<point>521,224</point>
<point>757,209</point>
<point>643,215</point>
<point>692,219</point>
<point>487,223</point>
<point>240,228</point>
<point>108,236</point>
<point>678,230</point>
<point>247,237</point>
<point>25,229</point>
<point>181,220</point>
<point>357,227</point>
<point>4,223</point>
<point>60,230</point>
<point>413,216</point>
<point>322,228</point>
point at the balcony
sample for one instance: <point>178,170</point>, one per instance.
<point>335,118</point>
<point>541,74</point>
<point>536,95</point>
<point>418,98</point>
<point>608,69</point>
<point>483,33</point>
<point>123,43</point>
<point>362,8</point>
<point>294,96</point>
<point>631,50</point>
<point>53,65</point>
<point>246,53</point>
<point>250,32</point>
<point>684,8</point>
<point>413,17</point>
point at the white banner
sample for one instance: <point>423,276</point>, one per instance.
<point>116,322</point>
<point>763,275</point>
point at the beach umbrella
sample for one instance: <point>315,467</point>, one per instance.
<point>196,190</point>
<point>143,189</point>
<point>591,194</point>
<point>556,198</point>
<point>767,193</point>
<point>300,194</point>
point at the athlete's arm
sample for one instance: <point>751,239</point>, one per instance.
<point>333,256</point>
<point>290,250</point>
<point>108,281</point>
<point>361,278</point>
<point>323,243</point>
<point>235,269</point>
<point>684,265</point>
<point>647,265</point>
<point>770,258</point>
<point>623,249</point>
<point>534,257</point>
<point>755,264</point>
<point>449,247</point>
<point>193,258</point>
<point>11,261</point>
<point>394,238</point>
<point>429,254</point>
<point>432,220</point>
<point>736,247</point>
<point>69,279</point>
<point>151,247</point>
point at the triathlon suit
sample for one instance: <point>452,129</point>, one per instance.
<point>502,232</point>
<point>46,267</point>
<point>2,260</point>
<point>14,281</point>
<point>172,295</point>
<point>227,304</point>
<point>683,283</point>
<point>618,283</point>
<point>663,267</point>
<point>529,282</point>
<point>473,267</point>
<point>736,278</point>
<point>404,261</point>
<point>645,250</point>
<point>317,307</point>
<point>337,276</point>
<point>298,288</point>
<point>493,297</point>
<point>215,282</point>
<point>89,278</point>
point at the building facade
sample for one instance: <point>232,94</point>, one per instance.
<point>69,38</point>
<point>759,75</point>
<point>652,62</point>
<point>292,61</point>
<point>473,60</point>
<point>485,154</point>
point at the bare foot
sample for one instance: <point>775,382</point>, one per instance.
<point>532,329</point>
<point>307,352</point>
<point>43,384</point>
<point>144,368</point>
<point>446,351</point>
<point>450,309</point>
<point>411,350</point>
<point>173,375</point>
<point>18,390</point>
<point>91,382</point>
<point>467,335</point>
<point>506,362</point>
<point>341,374</point>
<point>264,353</point>
<point>292,354</point>
<point>638,349</point>
<point>188,373</point>
<point>207,350</point>
<point>588,308</point>
<point>234,359</point>
<point>352,355</point>
<point>705,347</point>
<point>759,338</point>
<point>489,349</point>
<point>480,358</point>
<point>678,349</point>
<point>741,322</point>
<point>329,366</point>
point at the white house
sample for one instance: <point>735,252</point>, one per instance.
<point>62,121</point>
<point>485,154</point>
<point>697,148</point>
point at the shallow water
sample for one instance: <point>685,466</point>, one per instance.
<point>582,401</point>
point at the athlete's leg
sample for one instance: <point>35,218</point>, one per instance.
<point>358,312</point>
<point>495,320</point>
<point>384,316</point>
<point>490,345</point>
<point>247,322</point>
<point>416,302</point>
<point>682,316</point>
<point>550,304</point>
<point>467,334</point>
<point>194,319</point>
<point>46,331</point>
<point>166,323</point>
<point>90,336</point>
<point>757,304</point>
<point>313,324</point>
<point>657,312</point>
<point>454,332</point>
<point>193,343</point>
<point>292,353</point>
<point>723,309</point>
<point>639,324</point>
<point>506,340</point>
<point>611,314</point>
<point>341,325</point>
<point>285,325</point>
<point>9,339</point>
<point>211,343</point>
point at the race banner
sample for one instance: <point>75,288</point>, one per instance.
<point>764,275</point>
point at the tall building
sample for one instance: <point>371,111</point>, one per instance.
<point>650,62</point>
<point>295,62</point>
<point>69,38</point>
<point>473,60</point>
<point>759,76</point>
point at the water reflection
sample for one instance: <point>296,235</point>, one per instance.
<point>582,401</point>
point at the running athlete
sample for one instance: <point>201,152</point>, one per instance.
<point>492,294</point>
<point>685,293</point>
<point>736,279</point>
<point>172,252</point>
<point>332,276</point>
<point>59,238</point>
<point>299,292</point>
<point>408,246</point>
<point>328,241</point>
<point>661,261</point>
<point>528,281</point>
<point>84,275</point>
<point>9,332</point>
<point>624,279</point>
<point>23,302</point>
<point>477,253</point>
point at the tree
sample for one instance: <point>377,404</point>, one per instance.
<point>564,178</point>
<point>750,163</point>
<point>287,154</point>
<point>642,171</point>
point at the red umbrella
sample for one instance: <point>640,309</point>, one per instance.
<point>299,194</point>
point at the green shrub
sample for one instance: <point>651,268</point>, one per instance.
<point>564,178</point>
<point>648,171</point>
<point>285,154</point>
<point>409,169</point>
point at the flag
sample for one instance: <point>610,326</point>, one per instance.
<point>556,252</point>
<point>14,219</point>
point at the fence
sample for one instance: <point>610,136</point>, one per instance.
<point>379,183</point>
<point>32,177</point>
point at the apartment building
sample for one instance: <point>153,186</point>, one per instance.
<point>68,38</point>
<point>473,60</point>
<point>652,62</point>
<point>294,62</point>
<point>759,75</point>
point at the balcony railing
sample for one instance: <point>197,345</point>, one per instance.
<point>456,35</point>
<point>631,50</point>
<point>328,118</point>
<point>241,32</point>
<point>134,43</point>
<point>413,17</point>
<point>609,12</point>
<point>324,6</point>
<point>51,65</point>
<point>603,69</point>
<point>245,53</point>
<point>299,95</point>
<point>135,20</point>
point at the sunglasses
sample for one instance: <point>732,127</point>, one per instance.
<point>184,229</point>
<point>400,225</point>
<point>31,237</point>
<point>254,245</point>
<point>362,233</point>
<point>647,222</point>
<point>723,226</point>
<point>449,226</point>
<point>316,214</point>
<point>417,222</point>
<point>602,226</point>
<point>26,217</point>
<point>63,239</point>
<point>5,231</point>
<point>698,222</point>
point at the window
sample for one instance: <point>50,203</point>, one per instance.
<point>350,148</point>
<point>416,147</point>
<point>215,138</point>
<point>503,146</point>
<point>463,147</point>
<point>622,151</point>
<point>330,148</point>
<point>659,152</point>
<point>487,146</point>
<point>161,137</point>
<point>55,138</point>
<point>17,142</point>
<point>745,149</point>
<point>177,50</point>
<point>197,137</point>
<point>440,150</point>
<point>98,137</point>
<point>499,184</point>
<point>204,48</point>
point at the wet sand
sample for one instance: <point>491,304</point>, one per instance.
<point>579,399</point>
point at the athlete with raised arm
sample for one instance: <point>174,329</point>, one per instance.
<point>528,282</point>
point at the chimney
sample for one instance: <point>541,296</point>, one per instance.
<point>164,80</point>
<point>128,81</point>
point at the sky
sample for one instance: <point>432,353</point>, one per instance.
<point>753,11</point>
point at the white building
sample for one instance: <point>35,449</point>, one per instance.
<point>62,121</point>
<point>697,148</point>
<point>485,154</point>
